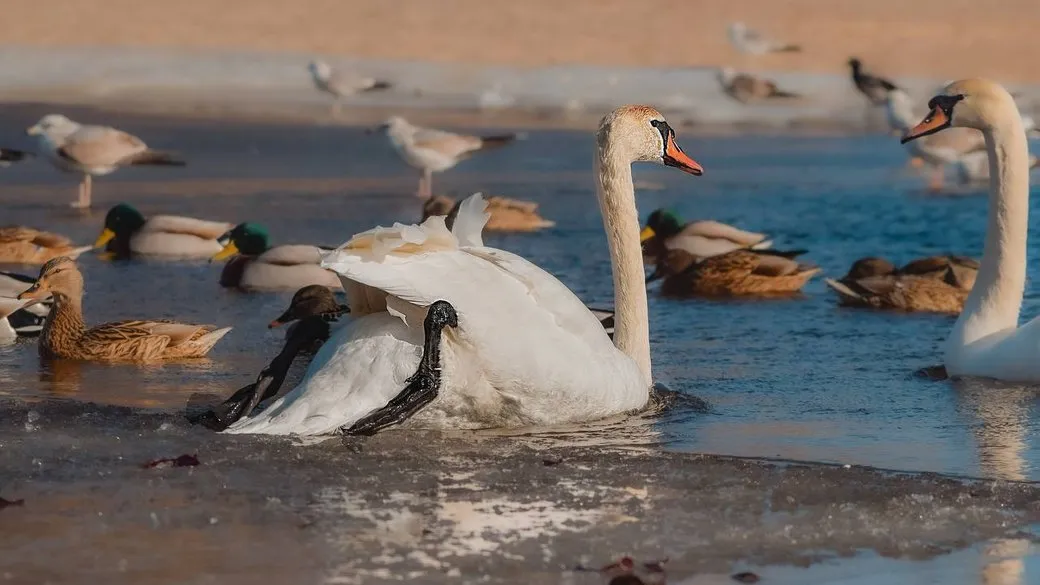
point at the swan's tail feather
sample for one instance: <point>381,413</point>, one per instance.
<point>75,252</point>
<point>763,245</point>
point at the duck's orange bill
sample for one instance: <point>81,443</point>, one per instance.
<point>106,236</point>
<point>229,250</point>
<point>675,157</point>
<point>934,122</point>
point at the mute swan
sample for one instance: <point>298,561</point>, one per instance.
<point>432,151</point>
<point>986,340</point>
<point>92,150</point>
<point>526,350</point>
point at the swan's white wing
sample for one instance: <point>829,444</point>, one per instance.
<point>470,221</point>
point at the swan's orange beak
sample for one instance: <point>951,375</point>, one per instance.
<point>934,122</point>
<point>675,157</point>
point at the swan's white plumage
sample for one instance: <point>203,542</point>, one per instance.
<point>527,350</point>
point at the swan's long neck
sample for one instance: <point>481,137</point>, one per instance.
<point>996,298</point>
<point>621,222</point>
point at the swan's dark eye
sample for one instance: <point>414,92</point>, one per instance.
<point>664,129</point>
<point>945,103</point>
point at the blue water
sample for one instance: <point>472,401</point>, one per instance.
<point>795,379</point>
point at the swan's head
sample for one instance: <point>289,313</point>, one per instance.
<point>59,276</point>
<point>969,103</point>
<point>737,30</point>
<point>640,133</point>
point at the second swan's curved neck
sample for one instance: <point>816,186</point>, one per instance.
<point>621,221</point>
<point>996,298</point>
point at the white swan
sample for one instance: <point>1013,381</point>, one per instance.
<point>986,340</point>
<point>526,350</point>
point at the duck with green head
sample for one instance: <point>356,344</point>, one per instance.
<point>128,233</point>
<point>257,266</point>
<point>665,231</point>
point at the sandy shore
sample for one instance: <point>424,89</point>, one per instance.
<point>928,38</point>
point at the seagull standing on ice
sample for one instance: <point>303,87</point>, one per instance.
<point>92,150</point>
<point>752,42</point>
<point>342,85</point>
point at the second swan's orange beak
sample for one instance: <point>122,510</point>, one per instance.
<point>934,122</point>
<point>675,157</point>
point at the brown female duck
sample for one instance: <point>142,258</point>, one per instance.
<point>66,336</point>
<point>25,245</point>
<point>760,273</point>
<point>507,215</point>
<point>934,284</point>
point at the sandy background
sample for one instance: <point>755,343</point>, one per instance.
<point>933,38</point>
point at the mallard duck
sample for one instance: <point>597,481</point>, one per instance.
<point>933,284</point>
<point>18,318</point>
<point>665,230</point>
<point>507,215</point>
<point>311,310</point>
<point>25,245</point>
<point>66,336</point>
<point>261,267</point>
<point>736,273</point>
<point>127,232</point>
<point>960,271</point>
<point>903,293</point>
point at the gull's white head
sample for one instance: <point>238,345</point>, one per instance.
<point>53,126</point>
<point>320,69</point>
<point>725,75</point>
<point>640,133</point>
<point>968,103</point>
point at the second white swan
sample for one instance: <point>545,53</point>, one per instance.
<point>986,340</point>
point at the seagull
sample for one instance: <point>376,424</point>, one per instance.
<point>341,85</point>
<point>92,150</point>
<point>9,156</point>
<point>745,87</point>
<point>875,88</point>
<point>751,42</point>
<point>432,151</point>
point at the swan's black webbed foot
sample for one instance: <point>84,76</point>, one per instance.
<point>305,334</point>
<point>423,386</point>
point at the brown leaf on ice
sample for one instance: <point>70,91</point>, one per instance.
<point>182,461</point>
